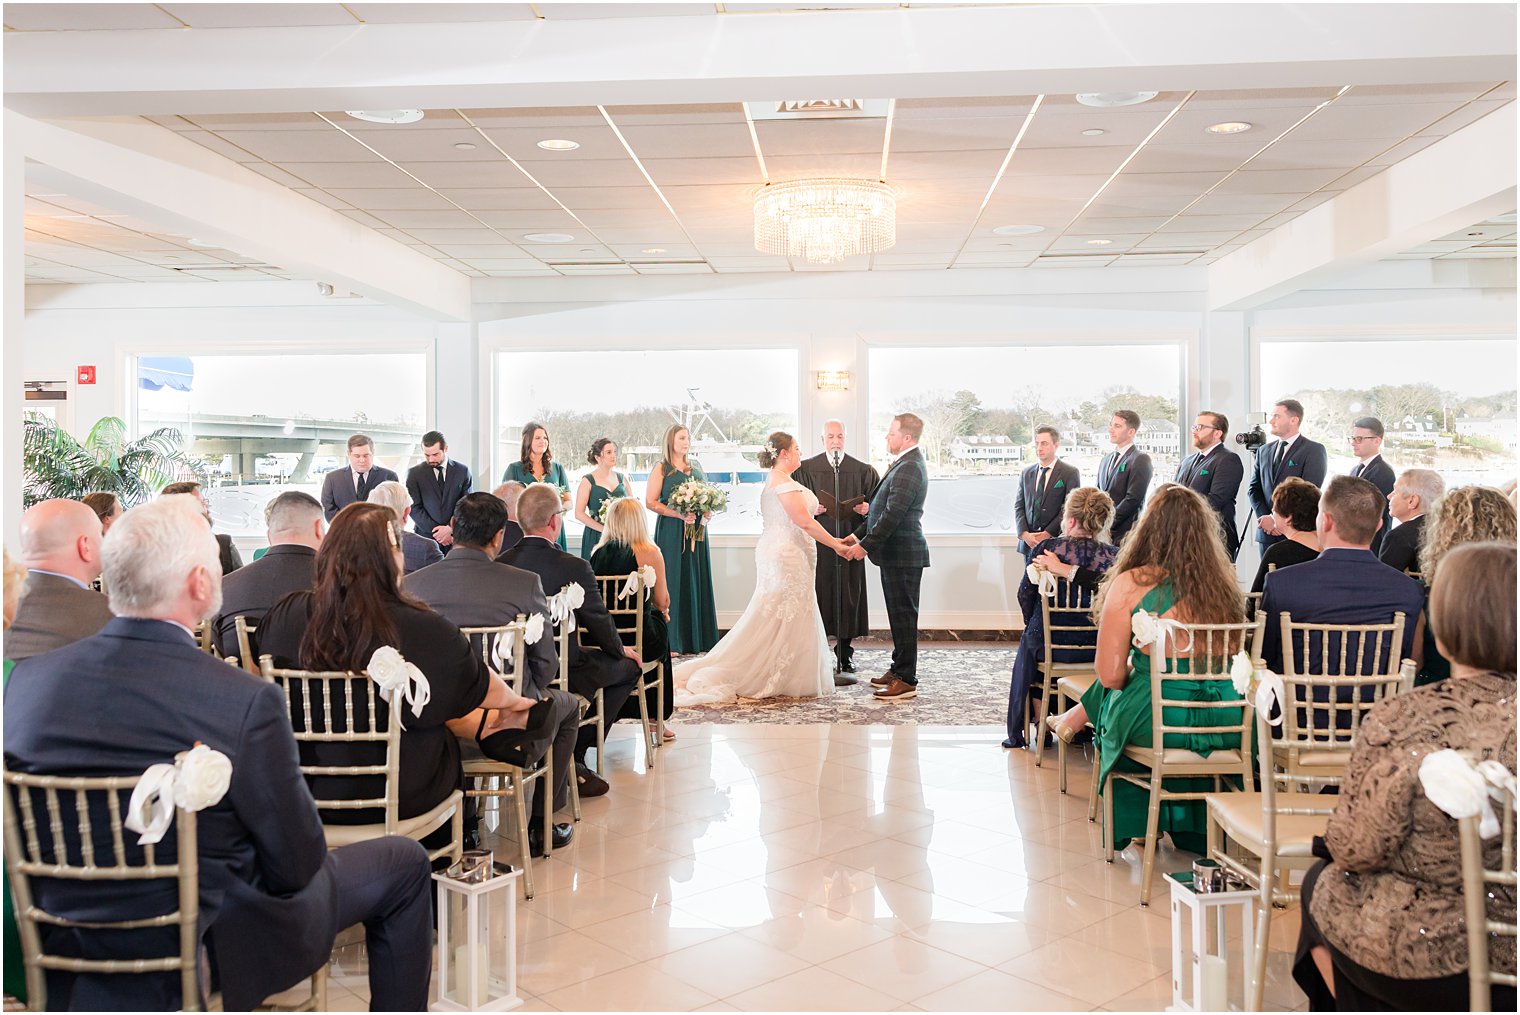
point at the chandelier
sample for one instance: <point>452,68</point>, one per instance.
<point>825,221</point>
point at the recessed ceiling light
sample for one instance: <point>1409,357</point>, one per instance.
<point>465,146</point>
<point>548,237</point>
<point>1017,230</point>
<point>653,250</point>
<point>1099,243</point>
<point>1104,99</point>
<point>1093,132</point>
<point>1229,127</point>
<point>556,144</point>
<point>386,115</point>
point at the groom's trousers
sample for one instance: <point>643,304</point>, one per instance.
<point>899,586</point>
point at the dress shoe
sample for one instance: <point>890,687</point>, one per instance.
<point>563,833</point>
<point>1065,733</point>
<point>883,680</point>
<point>847,666</point>
<point>897,690</point>
<point>843,679</point>
<point>590,784</point>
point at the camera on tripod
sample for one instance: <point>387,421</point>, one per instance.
<point>1254,438</point>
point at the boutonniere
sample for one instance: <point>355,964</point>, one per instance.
<point>1123,466</point>
<point>1060,483</point>
<point>1203,472</point>
<point>1290,463</point>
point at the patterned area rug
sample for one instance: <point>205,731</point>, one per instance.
<point>956,687</point>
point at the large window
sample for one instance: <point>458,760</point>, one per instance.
<point>270,423</point>
<point>1447,405</point>
<point>980,406</point>
<point>730,399</point>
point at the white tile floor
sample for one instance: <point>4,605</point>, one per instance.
<point>842,868</point>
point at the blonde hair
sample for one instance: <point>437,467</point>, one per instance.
<point>625,524</point>
<point>15,586</point>
<point>669,459</point>
<point>1092,509</point>
<point>1468,514</point>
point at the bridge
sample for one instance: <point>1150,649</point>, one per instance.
<point>249,438</point>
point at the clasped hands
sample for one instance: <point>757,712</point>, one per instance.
<point>850,549</point>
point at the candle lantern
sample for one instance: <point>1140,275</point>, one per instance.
<point>477,936</point>
<point>1211,899</point>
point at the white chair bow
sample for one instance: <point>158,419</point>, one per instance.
<point>1043,581</point>
<point>1261,685</point>
<point>197,780</point>
<point>399,679</point>
<point>1151,630</point>
<point>643,578</point>
<point>1463,789</point>
<point>564,603</point>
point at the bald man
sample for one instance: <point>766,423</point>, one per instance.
<point>60,546</point>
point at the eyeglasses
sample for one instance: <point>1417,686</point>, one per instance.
<point>1358,440</point>
<point>1205,426</point>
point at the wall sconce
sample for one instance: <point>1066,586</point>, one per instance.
<point>833,380</point>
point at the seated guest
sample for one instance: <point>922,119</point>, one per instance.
<point>1173,565</point>
<point>1345,584</point>
<point>609,665</point>
<point>272,897</point>
<point>471,589</point>
<point>295,530</point>
<point>355,606</point>
<point>1383,919</point>
<point>107,507</point>
<point>61,547</point>
<point>417,550</point>
<point>1469,514</point>
<point>1295,506</point>
<point>1414,493</point>
<point>15,969</point>
<point>511,532</point>
<point>1087,515</point>
<point>624,547</point>
<point>231,559</point>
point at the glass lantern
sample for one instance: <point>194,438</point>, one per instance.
<point>477,937</point>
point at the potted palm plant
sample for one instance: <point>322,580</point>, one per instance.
<point>57,465</point>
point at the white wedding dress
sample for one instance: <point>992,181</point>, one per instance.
<point>778,648</point>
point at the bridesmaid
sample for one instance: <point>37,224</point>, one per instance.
<point>537,465</point>
<point>595,488</point>
<point>688,570</point>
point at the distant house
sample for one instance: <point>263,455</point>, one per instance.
<point>1158,437</point>
<point>985,448</point>
<point>1500,428</point>
<point>1411,426</point>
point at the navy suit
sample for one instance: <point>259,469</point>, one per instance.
<point>418,551</point>
<point>338,487</point>
<point>1380,474</point>
<point>433,502</point>
<point>1127,480</point>
<point>272,897</point>
<point>1305,459</point>
<point>1401,550</point>
<point>1340,586</point>
<point>1217,474</point>
<point>1034,512</point>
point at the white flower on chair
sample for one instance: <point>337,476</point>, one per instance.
<point>534,629</point>
<point>1452,783</point>
<point>1242,673</point>
<point>204,776</point>
<point>198,779</point>
<point>1146,628</point>
<point>395,676</point>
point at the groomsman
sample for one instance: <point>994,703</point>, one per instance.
<point>1367,445</point>
<point>342,487</point>
<point>436,483</point>
<point>1042,491</point>
<point>1292,454</point>
<point>1216,472</point>
<point>1125,472</point>
<point>840,584</point>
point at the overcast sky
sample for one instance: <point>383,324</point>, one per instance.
<point>389,387</point>
<point>1061,377</point>
<point>1468,368</point>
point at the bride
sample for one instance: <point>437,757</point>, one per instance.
<point>778,648</point>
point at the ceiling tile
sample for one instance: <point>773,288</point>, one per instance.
<point>743,170</point>
<point>464,175</point>
<point>1462,117</point>
<point>980,105</point>
<point>383,199</point>
<point>825,138</point>
<point>689,140</point>
<point>521,141</point>
<point>694,113</point>
<point>280,15</point>
<point>218,122</point>
<point>620,172</point>
<point>406,14</point>
<point>330,175</point>
<point>429,145</point>
<point>86,17</point>
<point>1281,181</point>
<point>515,198</point>
<point>471,236</point>
<point>443,218</point>
<point>1368,121</point>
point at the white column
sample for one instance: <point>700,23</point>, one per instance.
<point>456,398</point>
<point>1227,385</point>
<point>14,208</point>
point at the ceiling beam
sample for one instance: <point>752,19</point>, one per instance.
<point>1465,178</point>
<point>903,53</point>
<point>148,172</point>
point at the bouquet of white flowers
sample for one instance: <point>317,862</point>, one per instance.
<point>606,508</point>
<point>700,499</point>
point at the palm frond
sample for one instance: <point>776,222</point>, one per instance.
<point>106,440</point>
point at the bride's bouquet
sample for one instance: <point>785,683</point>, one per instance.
<point>700,499</point>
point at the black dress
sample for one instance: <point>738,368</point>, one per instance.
<point>430,765</point>
<point>1283,554</point>
<point>618,559</point>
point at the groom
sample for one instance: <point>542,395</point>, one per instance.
<point>893,537</point>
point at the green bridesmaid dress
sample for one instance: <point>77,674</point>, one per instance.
<point>688,573</point>
<point>1123,717</point>
<point>517,472</point>
<point>590,537</point>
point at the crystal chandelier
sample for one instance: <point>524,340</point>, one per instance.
<point>825,221</point>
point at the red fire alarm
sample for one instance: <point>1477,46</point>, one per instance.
<point>87,375</point>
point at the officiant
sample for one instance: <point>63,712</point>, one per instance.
<point>843,486</point>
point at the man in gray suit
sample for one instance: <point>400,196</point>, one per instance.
<point>472,589</point>
<point>342,487</point>
<point>295,532</point>
<point>60,545</point>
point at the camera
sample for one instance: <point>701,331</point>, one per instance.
<point>1251,439</point>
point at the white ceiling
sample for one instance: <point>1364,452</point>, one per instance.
<point>1154,183</point>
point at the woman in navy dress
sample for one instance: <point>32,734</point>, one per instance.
<point>1085,522</point>
<point>537,465</point>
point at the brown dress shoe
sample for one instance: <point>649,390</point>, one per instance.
<point>897,690</point>
<point>883,680</point>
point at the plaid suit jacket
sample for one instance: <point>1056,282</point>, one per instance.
<point>893,532</point>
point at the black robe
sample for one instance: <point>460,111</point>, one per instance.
<point>845,617</point>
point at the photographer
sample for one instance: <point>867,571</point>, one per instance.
<point>1292,454</point>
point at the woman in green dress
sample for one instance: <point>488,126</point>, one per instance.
<point>537,465</point>
<point>624,547</point>
<point>693,617</point>
<point>598,486</point>
<point>1173,564</point>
